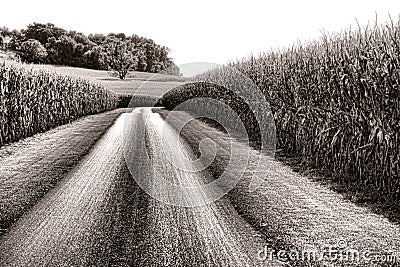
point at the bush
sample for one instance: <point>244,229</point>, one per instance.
<point>129,101</point>
<point>203,89</point>
<point>33,51</point>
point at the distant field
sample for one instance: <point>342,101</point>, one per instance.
<point>153,84</point>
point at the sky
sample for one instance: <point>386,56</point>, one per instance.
<point>204,31</point>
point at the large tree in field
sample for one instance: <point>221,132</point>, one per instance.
<point>121,57</point>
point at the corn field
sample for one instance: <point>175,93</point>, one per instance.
<point>336,103</point>
<point>33,101</point>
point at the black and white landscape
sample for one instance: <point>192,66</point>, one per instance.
<point>200,134</point>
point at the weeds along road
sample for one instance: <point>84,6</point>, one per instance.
<point>98,216</point>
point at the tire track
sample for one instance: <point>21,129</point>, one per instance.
<point>64,228</point>
<point>209,235</point>
<point>31,167</point>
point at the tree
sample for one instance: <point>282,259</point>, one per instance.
<point>120,57</point>
<point>3,33</point>
<point>142,61</point>
<point>97,38</point>
<point>13,40</point>
<point>150,54</point>
<point>172,69</point>
<point>42,32</point>
<point>33,51</point>
<point>94,58</point>
<point>114,51</point>
<point>120,36</point>
<point>66,49</point>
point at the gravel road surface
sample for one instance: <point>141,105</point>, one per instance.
<point>97,216</point>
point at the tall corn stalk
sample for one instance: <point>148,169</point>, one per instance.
<point>35,101</point>
<point>336,102</point>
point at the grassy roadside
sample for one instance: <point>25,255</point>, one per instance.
<point>31,167</point>
<point>346,186</point>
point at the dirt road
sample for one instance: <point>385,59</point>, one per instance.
<point>31,167</point>
<point>98,216</point>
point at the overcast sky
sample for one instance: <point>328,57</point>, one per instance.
<point>203,31</point>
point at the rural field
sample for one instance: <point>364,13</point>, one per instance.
<point>152,84</point>
<point>289,158</point>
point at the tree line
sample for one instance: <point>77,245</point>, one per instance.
<point>48,44</point>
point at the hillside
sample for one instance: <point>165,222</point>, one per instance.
<point>47,43</point>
